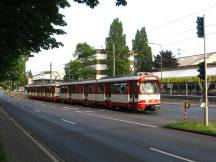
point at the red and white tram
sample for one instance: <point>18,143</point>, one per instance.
<point>44,92</point>
<point>134,92</point>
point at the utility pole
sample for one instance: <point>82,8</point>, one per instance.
<point>50,72</point>
<point>206,77</point>
<point>114,59</point>
<point>201,34</point>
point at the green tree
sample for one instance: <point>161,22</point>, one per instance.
<point>168,60</point>
<point>116,45</point>
<point>85,53</point>
<point>93,3</point>
<point>29,26</point>
<point>16,75</point>
<point>81,67</point>
<point>72,70</point>
<point>76,70</point>
<point>143,51</point>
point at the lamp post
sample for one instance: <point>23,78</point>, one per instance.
<point>161,61</point>
<point>114,59</point>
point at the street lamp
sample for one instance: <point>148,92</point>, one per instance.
<point>161,61</point>
<point>114,59</point>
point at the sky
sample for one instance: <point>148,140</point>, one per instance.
<point>170,25</point>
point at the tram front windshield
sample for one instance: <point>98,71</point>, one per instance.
<point>149,87</point>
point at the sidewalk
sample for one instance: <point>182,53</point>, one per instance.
<point>17,145</point>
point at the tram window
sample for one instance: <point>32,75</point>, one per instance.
<point>115,88</point>
<point>48,89</point>
<point>149,87</point>
<point>64,89</point>
<point>123,88</point>
<point>73,88</point>
<point>100,89</point>
<point>90,89</point>
<point>79,89</point>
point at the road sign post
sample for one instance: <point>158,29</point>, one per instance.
<point>186,106</point>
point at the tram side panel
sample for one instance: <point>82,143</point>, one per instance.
<point>100,94</point>
<point>77,96</point>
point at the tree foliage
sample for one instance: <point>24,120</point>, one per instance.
<point>117,41</point>
<point>81,67</point>
<point>93,3</point>
<point>16,75</point>
<point>85,53</point>
<point>168,60</point>
<point>29,26</point>
<point>143,51</point>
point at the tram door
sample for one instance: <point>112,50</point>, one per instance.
<point>133,91</point>
<point>108,94</point>
<point>85,86</point>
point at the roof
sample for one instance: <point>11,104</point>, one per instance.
<point>196,59</point>
<point>184,73</point>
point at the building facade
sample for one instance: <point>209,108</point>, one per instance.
<point>100,65</point>
<point>44,77</point>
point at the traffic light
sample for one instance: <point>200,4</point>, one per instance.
<point>201,70</point>
<point>200,27</point>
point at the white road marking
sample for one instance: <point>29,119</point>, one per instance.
<point>36,110</point>
<point>120,120</point>
<point>71,108</point>
<point>68,121</point>
<point>89,111</point>
<point>66,109</point>
<point>169,154</point>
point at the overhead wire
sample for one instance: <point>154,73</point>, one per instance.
<point>179,33</point>
<point>183,17</point>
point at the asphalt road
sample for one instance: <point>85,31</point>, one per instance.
<point>86,134</point>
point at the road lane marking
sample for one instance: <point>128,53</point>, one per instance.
<point>71,108</point>
<point>66,109</point>
<point>120,120</point>
<point>89,111</point>
<point>169,154</point>
<point>36,110</point>
<point>68,121</point>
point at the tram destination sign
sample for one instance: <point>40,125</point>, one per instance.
<point>150,78</point>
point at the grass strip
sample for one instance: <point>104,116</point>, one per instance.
<point>2,154</point>
<point>195,127</point>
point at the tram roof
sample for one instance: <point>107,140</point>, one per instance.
<point>42,85</point>
<point>126,78</point>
